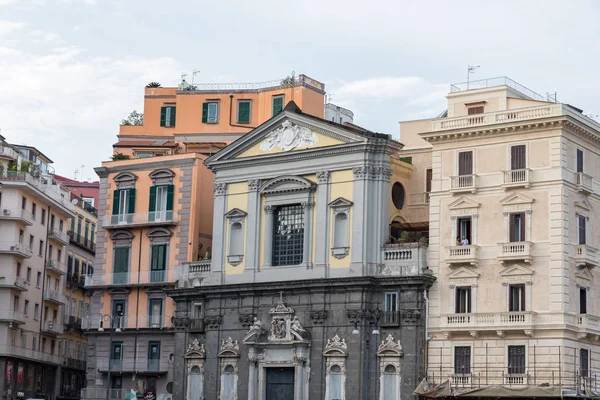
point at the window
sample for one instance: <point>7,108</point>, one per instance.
<point>161,203</point>
<point>31,239</point>
<point>475,110</point>
<point>462,360</point>
<point>38,282</point>
<point>582,300</point>
<point>61,225</point>
<point>89,200</point>
<point>121,265</point>
<point>428,179</point>
<point>144,155</point>
<point>581,228</point>
<point>210,112</point>
<point>517,227</point>
<point>119,310</point>
<point>43,217</point>
<point>18,269</point>
<point>26,307</point>
<point>41,250</point>
<point>340,231</point>
<point>236,240</point>
<point>334,390</point>
<point>277,104</point>
<point>579,160</point>
<point>390,309</point>
<point>92,233</point>
<point>229,379</point>
<point>155,313</point>
<point>72,226</point>
<point>398,195</point>
<point>167,116</point>
<point>23,202</point>
<point>21,235</point>
<point>34,344</point>
<point>36,311</point>
<point>16,303</point>
<point>244,111</point>
<point>518,158</point>
<point>390,383</point>
<point>158,262</point>
<point>463,300</point>
<point>123,205</point>
<point>516,298</point>
<point>116,355</point>
<point>86,233</point>
<point>288,235</point>
<point>464,229</point>
<point>516,359</point>
<point>465,163</point>
<point>153,355</point>
<point>33,210</point>
<point>584,362</point>
<point>52,219</point>
<point>28,275</point>
<point>59,255</point>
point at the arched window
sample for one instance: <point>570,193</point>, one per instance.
<point>340,229</point>
<point>235,244</point>
<point>229,388</point>
<point>398,195</point>
<point>390,383</point>
<point>334,383</point>
<point>340,246</point>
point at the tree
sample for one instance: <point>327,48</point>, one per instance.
<point>153,85</point>
<point>135,118</point>
<point>119,156</point>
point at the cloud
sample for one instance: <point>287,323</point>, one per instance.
<point>8,26</point>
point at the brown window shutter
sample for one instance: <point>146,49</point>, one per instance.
<point>428,178</point>
<point>522,227</point>
<point>517,157</point>
<point>465,163</point>
<point>511,228</point>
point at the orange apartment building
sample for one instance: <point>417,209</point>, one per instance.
<point>155,214</point>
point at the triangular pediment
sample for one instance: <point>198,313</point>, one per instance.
<point>516,198</point>
<point>464,272</point>
<point>516,270</point>
<point>463,202</point>
<point>235,213</point>
<point>585,274</point>
<point>285,133</point>
<point>583,204</point>
<point>340,202</point>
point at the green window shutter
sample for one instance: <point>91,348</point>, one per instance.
<point>121,258</point>
<point>277,105</point>
<point>131,201</point>
<point>170,195</point>
<point>204,112</point>
<point>152,205</point>
<point>116,195</point>
<point>158,257</point>
<point>244,112</point>
<point>173,111</point>
<point>163,116</point>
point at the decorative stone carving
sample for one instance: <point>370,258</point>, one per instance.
<point>386,173</point>
<point>323,177</point>
<point>410,315</point>
<point>307,205</point>
<point>374,172</point>
<point>354,315</point>
<point>255,330</point>
<point>318,317</point>
<point>269,209</point>
<point>288,137</point>
<point>220,189</point>
<point>283,327</point>
<point>212,321</point>
<point>253,185</point>
<point>359,172</point>
<point>246,319</point>
<point>196,348</point>
<point>281,308</point>
<point>336,346</point>
<point>278,329</point>
<point>229,345</point>
<point>389,347</point>
<point>296,328</point>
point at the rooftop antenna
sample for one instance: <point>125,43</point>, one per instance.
<point>194,73</point>
<point>551,97</point>
<point>75,173</point>
<point>470,70</point>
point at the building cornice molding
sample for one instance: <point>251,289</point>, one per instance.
<point>105,170</point>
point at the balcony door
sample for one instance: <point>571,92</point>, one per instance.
<point>161,203</point>
<point>158,263</point>
<point>155,313</point>
<point>153,356</point>
<point>121,265</point>
<point>465,169</point>
<point>123,206</point>
<point>517,227</point>
<point>116,356</point>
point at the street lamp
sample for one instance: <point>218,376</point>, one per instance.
<point>114,323</point>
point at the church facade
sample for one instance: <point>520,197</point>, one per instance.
<point>305,295</point>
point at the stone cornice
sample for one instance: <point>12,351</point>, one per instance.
<point>146,165</point>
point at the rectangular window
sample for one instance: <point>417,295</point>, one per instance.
<point>581,229</point>
<point>153,355</point>
<point>31,239</point>
<point>155,313</point>
<point>36,311</point>
<point>41,250</point>
<point>16,303</point>
<point>518,159</point>
<point>288,235</point>
<point>584,362</point>
<point>428,179</point>
<point>23,202</point>
<point>462,360</point>
<point>121,265</point>
<point>244,111</point>
<point>72,226</point>
<point>210,112</point>
<point>516,359</point>
<point>463,300</point>
<point>465,163</point>
<point>475,110</point>
<point>158,263</point>
<point>391,302</point>
<point>579,160</point>
<point>464,230</point>
<point>517,227</point>
<point>167,116</point>
<point>33,210</point>
<point>582,300</point>
<point>92,233</point>
<point>516,298</point>
<point>38,281</point>
<point>21,235</point>
<point>26,307</point>
<point>118,313</point>
<point>116,355</point>
<point>52,220</point>
<point>86,233</point>
<point>123,205</point>
<point>43,217</point>
<point>161,203</point>
<point>28,275</point>
<point>277,104</point>
<point>18,269</point>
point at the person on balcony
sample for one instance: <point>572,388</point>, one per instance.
<point>464,241</point>
<point>458,243</point>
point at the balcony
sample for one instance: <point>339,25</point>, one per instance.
<point>52,328</point>
<point>17,283</point>
<point>500,322</point>
<point>130,323</point>
<point>82,242</point>
<point>33,355</point>
<point>515,251</point>
<point>462,255</point>
<point>62,237</point>
<point>588,323</point>
<point>389,319</point>
<point>55,297</point>
<point>44,183</point>
<point>516,178</point>
<point>586,256</point>
<point>463,183</point>
<point>8,152</point>
<point>132,278</point>
<point>11,316</point>
<point>196,325</point>
<point>56,266</point>
<point>152,218</point>
<point>16,248</point>
<point>72,322</point>
<point>139,366</point>
<point>585,183</point>
<point>16,214</point>
<point>193,274</point>
<point>403,259</point>
<point>418,199</point>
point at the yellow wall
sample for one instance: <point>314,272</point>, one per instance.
<point>342,185</point>
<point>237,197</point>
<point>322,141</point>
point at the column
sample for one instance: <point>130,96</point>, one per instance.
<point>322,229</point>
<point>384,228</point>
<point>506,227</point>
<point>452,299</point>
<point>308,210</point>
<point>528,225</point>
<point>299,382</point>
<point>474,298</point>
<point>252,226</point>
<point>252,378</point>
<point>357,256</point>
<point>268,235</point>
<point>218,249</point>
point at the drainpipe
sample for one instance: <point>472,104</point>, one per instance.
<point>426,347</point>
<point>231,113</point>
<point>42,311</point>
<point>137,306</point>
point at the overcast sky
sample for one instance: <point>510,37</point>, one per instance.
<point>70,70</point>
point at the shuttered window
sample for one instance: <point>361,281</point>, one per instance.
<point>158,262</point>
<point>462,360</point>
<point>167,116</point>
<point>517,157</point>
<point>516,298</point>
<point>579,160</point>
<point>123,202</point>
<point>517,227</point>
<point>210,112</point>
<point>463,300</point>
<point>581,229</point>
<point>475,110</point>
<point>465,163</point>
<point>277,104</point>
<point>120,265</point>
<point>516,359</point>
<point>584,362</point>
<point>244,109</point>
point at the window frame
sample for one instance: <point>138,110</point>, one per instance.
<point>512,233</point>
<point>468,300</point>
<point>584,294</point>
<point>521,297</point>
<point>455,359</point>
<point>582,240</point>
<point>510,155</point>
<point>584,373</point>
<point>579,163</point>
<point>468,218</point>
<point>508,359</point>
<point>214,104</point>
<point>273,98</point>
<point>245,101</point>
<point>286,253</point>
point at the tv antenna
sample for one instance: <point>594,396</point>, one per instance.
<point>470,70</point>
<point>194,73</point>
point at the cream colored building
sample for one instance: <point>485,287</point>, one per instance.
<point>519,179</point>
